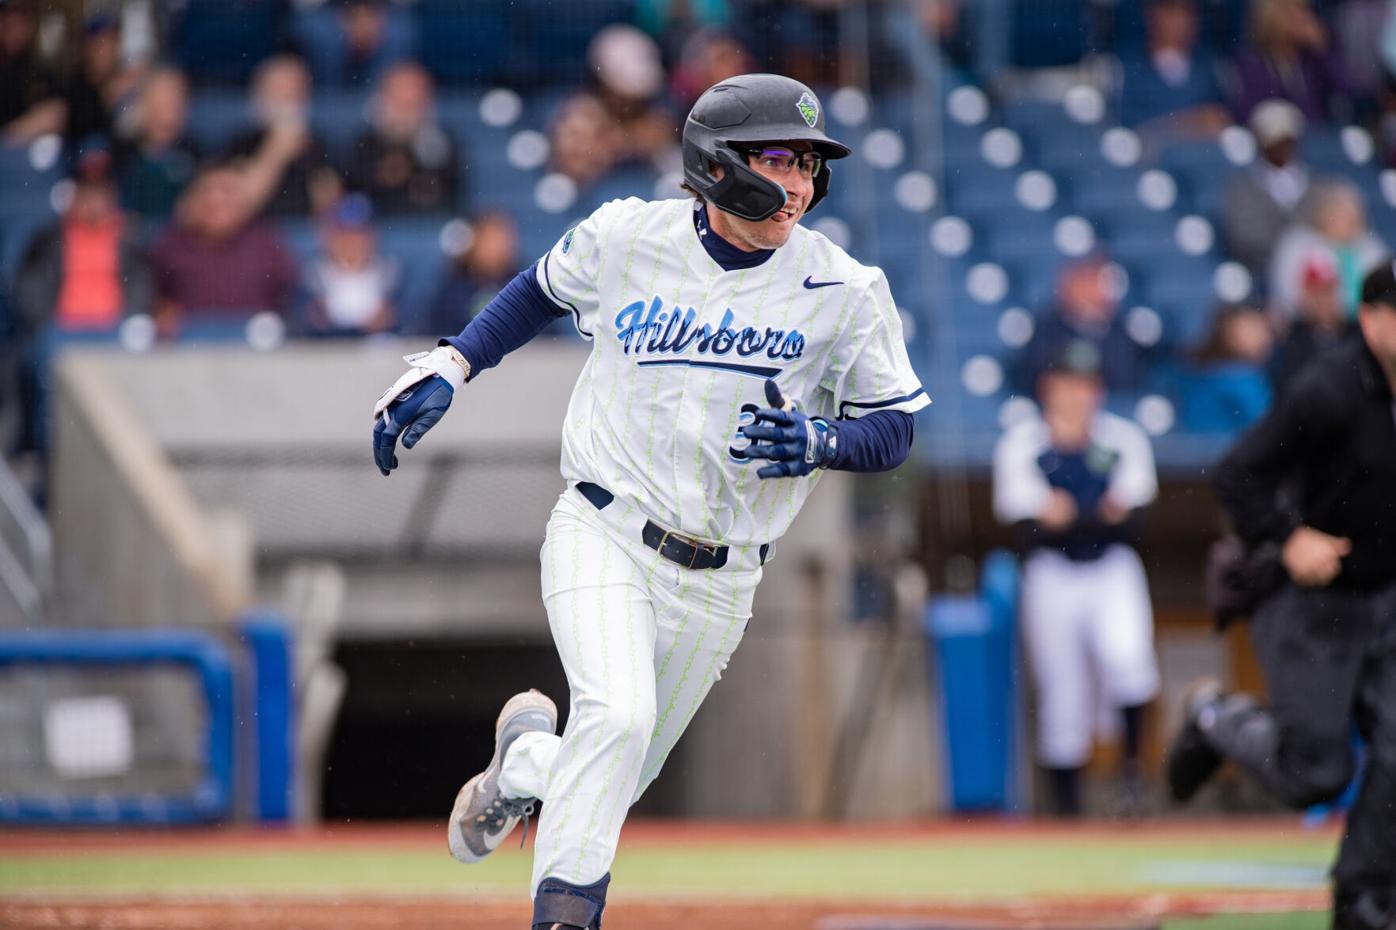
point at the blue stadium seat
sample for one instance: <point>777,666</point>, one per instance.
<point>1203,190</point>
<point>338,117</point>
<point>633,181</point>
<point>1106,193</point>
<point>416,242</point>
<point>555,37</point>
<point>1049,33</point>
<point>1138,236</point>
<point>215,116</point>
<point>978,189</point>
<point>466,43</point>
<point>221,41</point>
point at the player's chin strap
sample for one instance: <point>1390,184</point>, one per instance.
<point>560,903</point>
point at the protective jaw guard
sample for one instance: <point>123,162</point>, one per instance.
<point>741,191</point>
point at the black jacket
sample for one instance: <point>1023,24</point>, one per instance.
<point>1332,436</point>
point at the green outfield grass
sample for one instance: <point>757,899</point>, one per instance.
<point>1309,921</point>
<point>900,869</point>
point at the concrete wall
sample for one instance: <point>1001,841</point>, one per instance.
<point>132,547</point>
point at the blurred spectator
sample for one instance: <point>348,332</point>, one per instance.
<point>351,286</point>
<point>1085,310</point>
<point>83,275</point>
<point>215,259</point>
<point>1171,80</point>
<point>798,38</point>
<point>629,81</point>
<point>155,159</point>
<point>674,23</point>
<point>99,82</point>
<point>405,161</point>
<point>476,274</point>
<point>1335,226</point>
<point>88,271</point>
<point>1266,197</point>
<point>30,105</point>
<point>584,141</point>
<point>1319,324</point>
<point>354,42</point>
<point>287,165</point>
<point>1289,58</point>
<point>619,121</point>
<point>1072,482</point>
<point>708,57</point>
<point>1356,26</point>
<point>1226,388</point>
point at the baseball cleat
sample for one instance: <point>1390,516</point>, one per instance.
<point>1191,759</point>
<point>482,817</point>
<point>1372,910</point>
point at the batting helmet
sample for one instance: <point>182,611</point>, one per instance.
<point>746,109</point>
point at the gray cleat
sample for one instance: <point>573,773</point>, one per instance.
<point>482,817</point>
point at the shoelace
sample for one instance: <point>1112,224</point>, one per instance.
<point>504,808</point>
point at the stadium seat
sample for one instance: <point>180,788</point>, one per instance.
<point>557,37</point>
<point>466,43</point>
<point>980,189</point>
<point>1049,33</point>
<point>216,116</point>
<point>221,41</point>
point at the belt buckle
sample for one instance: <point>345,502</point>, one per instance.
<point>693,546</point>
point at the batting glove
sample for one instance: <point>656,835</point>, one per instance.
<point>416,402</point>
<point>795,444</point>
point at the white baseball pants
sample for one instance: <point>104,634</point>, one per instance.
<point>1089,630</point>
<point>642,641</point>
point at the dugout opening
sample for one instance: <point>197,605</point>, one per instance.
<point>418,720</point>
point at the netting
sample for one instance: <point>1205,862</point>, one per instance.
<point>74,733</point>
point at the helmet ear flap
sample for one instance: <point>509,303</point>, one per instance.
<point>821,186</point>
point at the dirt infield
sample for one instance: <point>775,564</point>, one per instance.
<point>378,913</point>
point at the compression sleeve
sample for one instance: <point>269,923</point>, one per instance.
<point>876,441</point>
<point>516,314</point>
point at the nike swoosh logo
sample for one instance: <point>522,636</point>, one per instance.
<point>812,284</point>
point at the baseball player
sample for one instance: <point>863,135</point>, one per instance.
<point>735,354</point>
<point>1071,480</point>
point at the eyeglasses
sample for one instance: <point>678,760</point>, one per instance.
<point>783,160</point>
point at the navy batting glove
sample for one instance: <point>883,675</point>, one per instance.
<point>794,443</point>
<point>410,415</point>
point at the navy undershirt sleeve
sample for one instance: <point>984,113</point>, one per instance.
<point>516,314</point>
<point>878,441</point>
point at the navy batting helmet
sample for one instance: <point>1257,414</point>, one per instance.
<point>747,109</point>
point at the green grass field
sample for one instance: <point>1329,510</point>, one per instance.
<point>912,869</point>
<point>950,868</point>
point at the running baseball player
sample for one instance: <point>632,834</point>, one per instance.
<point>735,355</point>
<point>1071,480</point>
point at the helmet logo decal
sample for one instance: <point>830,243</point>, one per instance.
<point>809,109</point>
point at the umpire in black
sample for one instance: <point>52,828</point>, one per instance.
<point>1315,481</point>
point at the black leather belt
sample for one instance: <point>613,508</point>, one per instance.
<point>677,548</point>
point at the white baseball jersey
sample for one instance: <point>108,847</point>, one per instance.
<point>1120,453</point>
<point>682,351</point>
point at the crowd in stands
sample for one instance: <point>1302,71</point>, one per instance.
<point>156,221</point>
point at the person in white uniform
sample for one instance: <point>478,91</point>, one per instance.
<point>735,355</point>
<point>1072,480</point>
